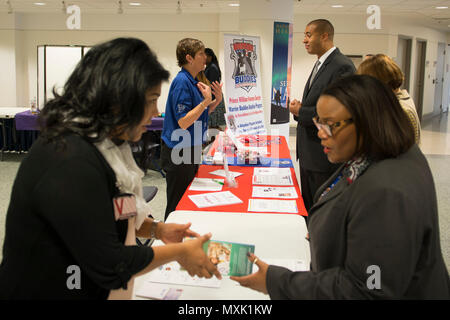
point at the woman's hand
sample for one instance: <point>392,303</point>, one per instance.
<point>173,232</point>
<point>195,260</point>
<point>206,92</point>
<point>216,88</point>
<point>257,280</point>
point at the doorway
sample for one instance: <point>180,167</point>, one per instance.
<point>403,58</point>
<point>438,81</point>
<point>420,76</point>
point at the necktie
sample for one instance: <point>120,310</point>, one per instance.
<point>314,72</point>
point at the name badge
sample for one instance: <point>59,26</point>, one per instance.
<point>124,206</point>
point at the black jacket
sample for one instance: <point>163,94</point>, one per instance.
<point>387,218</point>
<point>60,215</point>
<point>309,150</point>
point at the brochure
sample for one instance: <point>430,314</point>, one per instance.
<point>229,257</point>
<point>213,199</point>
<point>274,192</point>
<point>270,205</point>
<point>273,180</point>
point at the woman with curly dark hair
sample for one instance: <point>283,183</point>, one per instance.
<point>76,205</point>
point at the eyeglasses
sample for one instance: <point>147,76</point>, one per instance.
<point>329,128</point>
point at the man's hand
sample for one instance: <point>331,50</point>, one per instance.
<point>294,107</point>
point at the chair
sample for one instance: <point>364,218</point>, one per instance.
<point>146,152</point>
<point>149,192</point>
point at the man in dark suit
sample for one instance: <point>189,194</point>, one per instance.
<point>315,168</point>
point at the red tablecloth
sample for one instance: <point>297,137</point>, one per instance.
<point>277,146</point>
<point>243,191</point>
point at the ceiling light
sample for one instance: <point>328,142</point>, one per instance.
<point>40,3</point>
<point>179,11</point>
<point>233,4</point>
<point>120,9</point>
<point>135,3</point>
<point>441,8</point>
<point>337,6</point>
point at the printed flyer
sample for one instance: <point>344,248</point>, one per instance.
<point>229,257</point>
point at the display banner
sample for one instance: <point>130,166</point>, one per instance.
<point>245,112</point>
<point>281,72</point>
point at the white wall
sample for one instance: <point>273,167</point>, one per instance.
<point>7,61</point>
<point>21,33</point>
<point>34,30</point>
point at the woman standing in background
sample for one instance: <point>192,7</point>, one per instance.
<point>213,73</point>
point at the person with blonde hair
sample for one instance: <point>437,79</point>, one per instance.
<point>385,69</point>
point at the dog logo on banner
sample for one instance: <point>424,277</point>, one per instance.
<point>243,52</point>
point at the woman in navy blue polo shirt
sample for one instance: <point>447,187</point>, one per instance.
<point>186,120</point>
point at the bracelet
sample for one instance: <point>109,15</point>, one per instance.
<point>153,227</point>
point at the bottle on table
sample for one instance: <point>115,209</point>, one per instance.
<point>33,106</point>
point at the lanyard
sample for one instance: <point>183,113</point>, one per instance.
<point>331,186</point>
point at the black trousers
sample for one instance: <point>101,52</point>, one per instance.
<point>311,182</point>
<point>178,176</point>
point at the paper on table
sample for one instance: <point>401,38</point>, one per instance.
<point>206,184</point>
<point>273,180</point>
<point>275,192</point>
<point>214,199</point>
<point>291,264</point>
<point>173,274</point>
<point>158,291</point>
<point>273,171</point>
<point>222,173</point>
<point>266,205</point>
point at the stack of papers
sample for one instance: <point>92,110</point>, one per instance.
<point>223,198</point>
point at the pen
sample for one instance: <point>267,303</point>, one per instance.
<point>219,182</point>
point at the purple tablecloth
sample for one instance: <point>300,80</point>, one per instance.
<point>28,121</point>
<point>157,124</point>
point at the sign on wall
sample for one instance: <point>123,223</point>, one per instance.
<point>243,84</point>
<point>281,72</point>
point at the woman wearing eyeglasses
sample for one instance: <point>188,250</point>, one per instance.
<point>373,228</point>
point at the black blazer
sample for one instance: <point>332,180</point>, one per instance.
<point>309,150</point>
<point>387,218</point>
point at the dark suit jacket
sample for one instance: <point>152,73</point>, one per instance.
<point>387,218</point>
<point>309,150</point>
